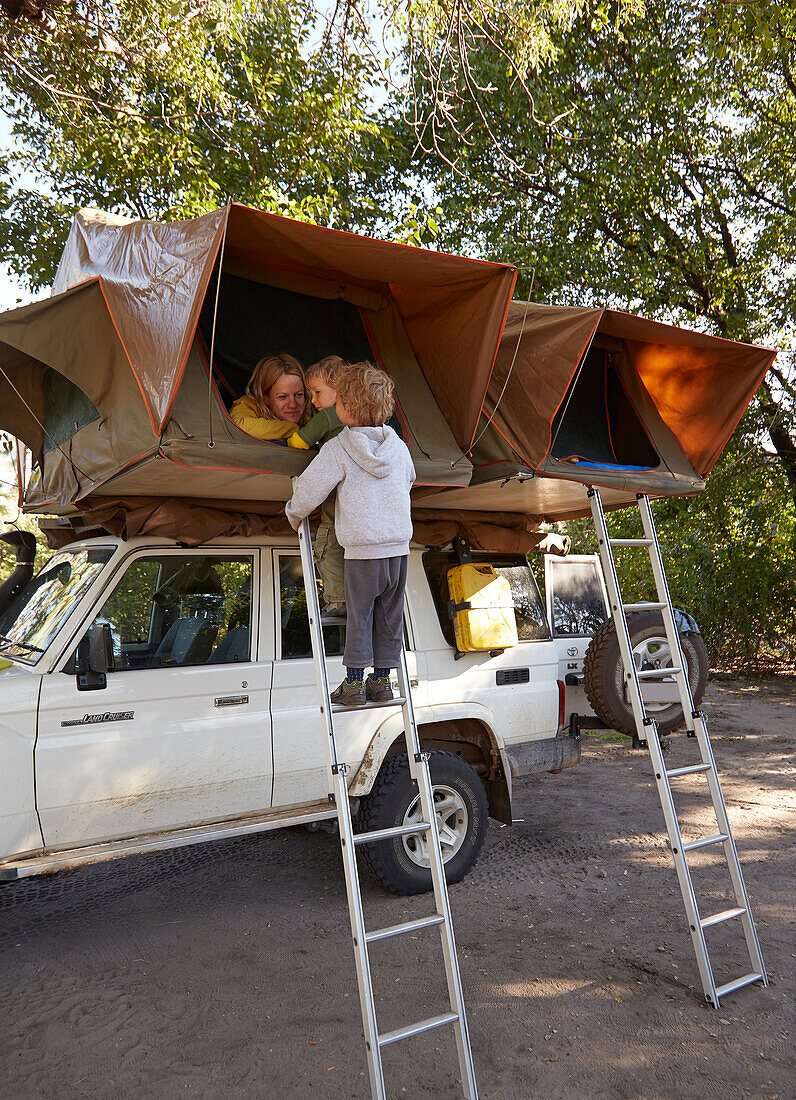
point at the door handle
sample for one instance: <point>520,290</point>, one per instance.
<point>231,700</point>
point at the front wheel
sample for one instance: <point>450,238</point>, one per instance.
<point>402,863</point>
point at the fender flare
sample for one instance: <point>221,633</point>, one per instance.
<point>392,728</point>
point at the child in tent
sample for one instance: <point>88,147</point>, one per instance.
<point>373,473</point>
<point>321,379</point>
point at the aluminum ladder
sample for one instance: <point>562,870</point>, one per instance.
<point>696,725</point>
<point>375,1040</point>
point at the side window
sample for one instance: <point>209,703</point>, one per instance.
<point>575,591</point>
<point>179,609</point>
<point>528,607</point>
<point>294,627</point>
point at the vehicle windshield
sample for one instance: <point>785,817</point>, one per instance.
<point>33,619</point>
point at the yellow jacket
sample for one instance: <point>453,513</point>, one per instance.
<point>246,415</point>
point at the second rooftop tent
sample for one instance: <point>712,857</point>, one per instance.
<point>595,396</point>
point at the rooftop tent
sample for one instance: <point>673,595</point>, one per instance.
<point>592,396</point>
<point>108,381</point>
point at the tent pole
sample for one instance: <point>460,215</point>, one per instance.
<point>211,442</point>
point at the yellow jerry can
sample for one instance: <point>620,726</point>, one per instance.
<point>481,608</point>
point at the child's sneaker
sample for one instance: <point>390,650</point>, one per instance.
<point>378,690</point>
<point>351,693</point>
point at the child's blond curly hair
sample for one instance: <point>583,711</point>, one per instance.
<point>368,392</point>
<point>327,369</point>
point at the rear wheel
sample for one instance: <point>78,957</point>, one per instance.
<point>604,671</point>
<point>402,863</point>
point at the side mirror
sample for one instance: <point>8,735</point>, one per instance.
<point>100,648</point>
<point>93,658</point>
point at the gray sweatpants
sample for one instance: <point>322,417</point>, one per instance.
<point>374,599</point>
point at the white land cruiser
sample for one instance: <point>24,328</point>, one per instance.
<point>155,695</point>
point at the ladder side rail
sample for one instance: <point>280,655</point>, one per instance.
<point>730,850</point>
<point>617,612</point>
<point>683,870</point>
<point>316,638</point>
<point>672,633</point>
<point>421,773</point>
<point>338,774</point>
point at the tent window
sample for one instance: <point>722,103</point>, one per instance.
<point>256,320</point>
<point>597,423</point>
<point>66,409</point>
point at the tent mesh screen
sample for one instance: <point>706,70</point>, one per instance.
<point>597,422</point>
<point>66,409</point>
<point>255,320</point>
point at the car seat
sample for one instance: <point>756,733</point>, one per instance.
<point>189,640</point>
<point>234,646</point>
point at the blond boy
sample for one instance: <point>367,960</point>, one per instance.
<point>371,469</point>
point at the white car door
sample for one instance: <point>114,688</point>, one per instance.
<point>300,774</point>
<point>180,735</point>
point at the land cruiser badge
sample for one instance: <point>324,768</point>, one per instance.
<point>95,719</point>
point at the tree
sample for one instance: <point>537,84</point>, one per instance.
<point>164,110</point>
<point>663,179</point>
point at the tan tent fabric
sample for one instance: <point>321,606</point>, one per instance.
<point>197,521</point>
<point>700,385</point>
<point>154,276</point>
<point>539,353</point>
<point>452,308</point>
<point>158,451</point>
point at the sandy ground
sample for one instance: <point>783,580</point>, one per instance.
<point>226,970</point>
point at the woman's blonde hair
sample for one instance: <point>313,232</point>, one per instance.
<point>368,392</point>
<point>266,374</point>
<point>327,369</point>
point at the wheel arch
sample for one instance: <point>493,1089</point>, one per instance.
<point>464,732</point>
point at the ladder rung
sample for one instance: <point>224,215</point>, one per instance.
<point>399,929</point>
<point>719,918</point>
<point>393,831</point>
<point>644,606</point>
<point>651,673</point>
<point>739,983</point>
<point>690,770</point>
<point>398,701</point>
<point>418,1028</point>
<point>630,542</point>
<point>719,839</point>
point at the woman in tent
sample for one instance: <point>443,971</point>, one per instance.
<point>276,402</point>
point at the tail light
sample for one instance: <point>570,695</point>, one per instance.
<point>562,696</point>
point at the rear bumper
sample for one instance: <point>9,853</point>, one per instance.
<point>552,755</point>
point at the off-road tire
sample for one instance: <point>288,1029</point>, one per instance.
<point>393,794</point>
<point>602,667</point>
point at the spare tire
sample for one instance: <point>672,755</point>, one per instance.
<point>604,671</point>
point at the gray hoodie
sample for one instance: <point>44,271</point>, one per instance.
<point>373,472</point>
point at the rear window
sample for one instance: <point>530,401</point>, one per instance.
<point>528,606</point>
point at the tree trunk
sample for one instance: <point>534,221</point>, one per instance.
<point>784,445</point>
